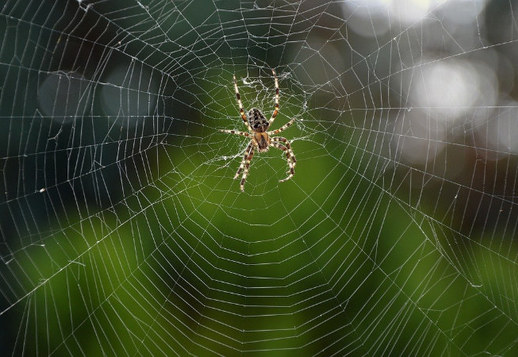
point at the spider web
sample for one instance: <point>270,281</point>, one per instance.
<point>123,233</point>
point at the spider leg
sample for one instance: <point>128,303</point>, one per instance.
<point>236,132</point>
<point>240,104</point>
<point>282,128</point>
<point>290,156</point>
<point>247,167</point>
<point>276,107</point>
<point>249,151</point>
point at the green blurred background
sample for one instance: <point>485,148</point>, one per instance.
<point>123,233</point>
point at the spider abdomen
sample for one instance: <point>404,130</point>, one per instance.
<point>257,121</point>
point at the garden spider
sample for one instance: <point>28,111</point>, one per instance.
<point>261,139</point>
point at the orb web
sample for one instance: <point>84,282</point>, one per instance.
<point>122,231</point>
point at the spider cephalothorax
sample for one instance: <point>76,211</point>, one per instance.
<point>261,138</point>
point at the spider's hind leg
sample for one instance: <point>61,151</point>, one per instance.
<point>276,106</point>
<point>282,128</point>
<point>240,104</point>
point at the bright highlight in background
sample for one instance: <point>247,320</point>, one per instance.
<point>452,88</point>
<point>373,18</point>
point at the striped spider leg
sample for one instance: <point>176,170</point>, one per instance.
<point>283,144</point>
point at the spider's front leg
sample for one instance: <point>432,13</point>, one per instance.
<point>290,156</point>
<point>245,165</point>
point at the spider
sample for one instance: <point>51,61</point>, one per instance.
<point>261,138</point>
